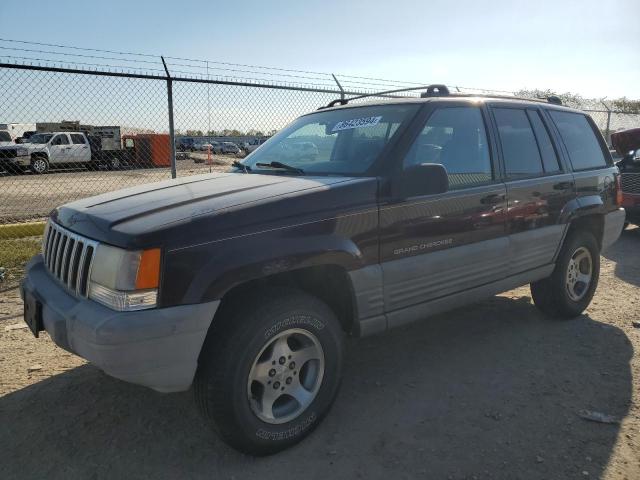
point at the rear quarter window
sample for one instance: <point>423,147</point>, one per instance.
<point>580,140</point>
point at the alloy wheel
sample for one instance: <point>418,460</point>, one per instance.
<point>286,376</point>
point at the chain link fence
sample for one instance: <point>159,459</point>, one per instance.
<point>83,129</point>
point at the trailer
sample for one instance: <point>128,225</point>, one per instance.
<point>18,130</point>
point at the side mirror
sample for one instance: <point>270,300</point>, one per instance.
<point>424,179</point>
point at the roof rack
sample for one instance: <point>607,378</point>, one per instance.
<point>437,90</point>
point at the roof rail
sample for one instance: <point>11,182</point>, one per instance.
<point>436,90</point>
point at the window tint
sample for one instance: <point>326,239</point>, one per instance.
<point>77,139</point>
<point>519,147</point>
<point>549,157</point>
<point>60,140</point>
<point>580,139</point>
<point>456,138</point>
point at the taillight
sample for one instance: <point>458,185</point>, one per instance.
<point>618,190</point>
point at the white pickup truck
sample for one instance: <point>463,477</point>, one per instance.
<point>46,149</point>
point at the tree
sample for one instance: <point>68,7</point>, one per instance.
<point>568,98</point>
<point>626,105</point>
<point>194,133</point>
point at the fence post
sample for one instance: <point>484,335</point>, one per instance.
<point>172,135</point>
<point>342,96</point>
<point>607,132</point>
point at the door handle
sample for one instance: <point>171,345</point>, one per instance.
<point>564,185</point>
<point>492,199</point>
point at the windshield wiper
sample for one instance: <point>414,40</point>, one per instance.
<point>281,166</point>
<point>241,166</point>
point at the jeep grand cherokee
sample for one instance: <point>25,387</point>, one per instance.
<point>244,284</point>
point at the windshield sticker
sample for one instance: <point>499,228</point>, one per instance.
<point>356,123</point>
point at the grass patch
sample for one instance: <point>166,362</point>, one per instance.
<point>20,230</point>
<point>14,254</point>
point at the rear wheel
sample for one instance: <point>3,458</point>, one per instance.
<point>114,163</point>
<point>269,373</point>
<point>39,165</point>
<point>571,286</point>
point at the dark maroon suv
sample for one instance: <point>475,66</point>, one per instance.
<point>244,284</point>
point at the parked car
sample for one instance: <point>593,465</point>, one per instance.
<point>230,147</point>
<point>245,284</point>
<point>254,144</point>
<point>46,149</point>
<point>5,139</point>
<point>627,144</point>
<point>186,144</point>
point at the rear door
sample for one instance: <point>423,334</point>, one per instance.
<point>434,245</point>
<point>538,186</point>
<point>60,149</point>
<point>80,151</point>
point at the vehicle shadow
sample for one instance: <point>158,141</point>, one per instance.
<point>622,251</point>
<point>489,391</point>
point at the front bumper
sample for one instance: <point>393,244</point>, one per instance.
<point>631,203</point>
<point>21,161</point>
<point>613,225</point>
<point>157,348</point>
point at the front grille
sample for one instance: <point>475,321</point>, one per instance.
<point>68,257</point>
<point>8,153</point>
<point>630,182</point>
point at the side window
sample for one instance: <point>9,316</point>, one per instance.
<point>456,138</point>
<point>60,140</point>
<point>548,152</point>
<point>519,147</point>
<point>77,139</point>
<point>580,139</point>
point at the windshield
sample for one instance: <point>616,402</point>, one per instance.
<point>344,141</point>
<point>4,136</point>
<point>40,138</point>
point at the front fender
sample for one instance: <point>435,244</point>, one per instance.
<point>206,272</point>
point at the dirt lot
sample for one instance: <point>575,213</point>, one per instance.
<point>31,196</point>
<point>489,391</point>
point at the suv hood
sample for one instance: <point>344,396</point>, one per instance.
<point>204,208</point>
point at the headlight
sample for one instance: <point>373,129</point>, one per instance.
<point>22,152</point>
<point>125,280</point>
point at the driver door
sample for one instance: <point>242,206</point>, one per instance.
<point>432,246</point>
<point>60,149</point>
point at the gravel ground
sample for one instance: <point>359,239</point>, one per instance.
<point>489,391</point>
<point>31,196</point>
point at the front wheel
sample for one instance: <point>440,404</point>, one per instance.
<point>39,165</point>
<point>269,373</point>
<point>571,286</point>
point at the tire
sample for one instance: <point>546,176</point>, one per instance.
<point>39,164</point>
<point>115,163</point>
<point>564,294</point>
<point>236,370</point>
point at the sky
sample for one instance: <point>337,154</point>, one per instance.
<point>587,47</point>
